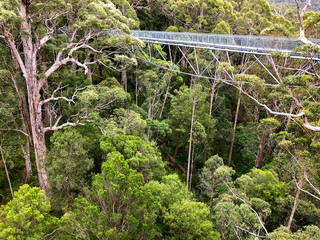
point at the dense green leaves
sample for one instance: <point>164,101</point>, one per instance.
<point>116,206</point>
<point>139,154</point>
<point>27,215</point>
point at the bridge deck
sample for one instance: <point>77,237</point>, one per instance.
<point>236,42</point>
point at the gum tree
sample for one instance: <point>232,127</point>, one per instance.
<point>33,30</point>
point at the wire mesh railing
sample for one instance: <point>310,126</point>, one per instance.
<point>256,43</point>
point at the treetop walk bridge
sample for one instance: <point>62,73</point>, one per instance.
<point>204,52</point>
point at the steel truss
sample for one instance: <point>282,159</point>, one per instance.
<point>199,60</point>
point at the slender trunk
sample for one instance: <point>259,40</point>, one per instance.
<point>165,98</point>
<point>291,111</point>
<point>234,129</point>
<point>100,72</point>
<point>295,204</point>
<point>149,109</point>
<point>191,137</point>
<point>259,160</point>
<point>184,61</point>
<point>137,90</point>
<point>201,18</point>
<point>191,171</point>
<point>7,173</point>
<point>213,89</point>
<point>256,114</point>
<point>124,80</point>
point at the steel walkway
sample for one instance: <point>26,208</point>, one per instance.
<point>234,42</point>
<point>201,54</point>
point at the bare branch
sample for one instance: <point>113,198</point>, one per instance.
<point>15,130</point>
<point>53,98</point>
<point>306,124</point>
<point>54,128</point>
<point>245,203</point>
<point>14,51</point>
<point>301,13</point>
<point>251,233</point>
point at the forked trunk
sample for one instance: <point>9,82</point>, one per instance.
<point>295,204</point>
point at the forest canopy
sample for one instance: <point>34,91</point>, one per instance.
<point>97,143</point>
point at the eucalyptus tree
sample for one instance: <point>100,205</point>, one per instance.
<point>44,38</point>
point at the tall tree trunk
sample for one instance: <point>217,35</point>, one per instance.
<point>124,80</point>
<point>295,204</point>
<point>191,137</point>
<point>137,90</point>
<point>234,129</point>
<point>33,89</point>
<point>256,114</point>
<point>100,72</point>
<point>7,173</point>
<point>191,171</point>
<point>184,61</point>
<point>262,146</point>
<point>165,97</point>
<point>201,18</point>
<point>25,120</point>
<point>149,109</point>
<point>213,89</point>
<point>27,173</point>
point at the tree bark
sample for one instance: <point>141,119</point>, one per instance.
<point>25,120</point>
<point>213,89</point>
<point>165,98</point>
<point>295,204</point>
<point>234,130</point>
<point>260,157</point>
<point>191,137</point>
<point>201,18</point>
<point>33,88</point>
<point>124,80</point>
<point>7,173</point>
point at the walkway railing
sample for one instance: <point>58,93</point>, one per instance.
<point>249,43</point>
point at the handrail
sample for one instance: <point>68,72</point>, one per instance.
<point>256,43</point>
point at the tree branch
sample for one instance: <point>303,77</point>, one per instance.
<point>301,13</point>
<point>306,124</point>
<point>53,98</point>
<point>55,127</point>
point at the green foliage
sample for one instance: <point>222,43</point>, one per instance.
<point>222,27</point>
<point>230,212</point>
<point>181,113</point>
<point>124,121</point>
<point>189,220</point>
<point>263,184</point>
<point>67,163</point>
<point>116,206</point>
<point>102,99</point>
<point>208,179</point>
<point>310,232</point>
<point>302,80</point>
<point>27,215</point>
<point>170,190</point>
<point>139,154</point>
